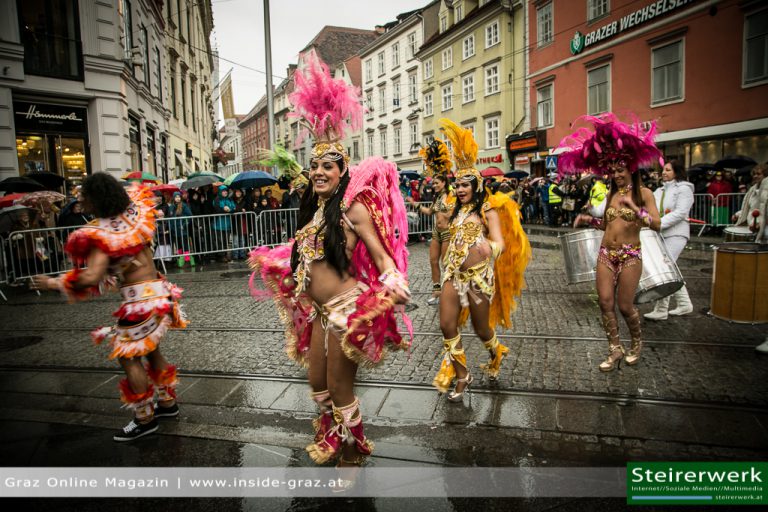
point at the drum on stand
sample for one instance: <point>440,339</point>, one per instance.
<point>740,283</point>
<point>580,254</point>
<point>660,276</point>
<point>739,234</point>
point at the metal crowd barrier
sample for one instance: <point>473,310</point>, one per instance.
<point>713,211</point>
<point>36,251</point>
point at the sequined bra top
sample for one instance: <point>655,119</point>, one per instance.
<point>310,247</point>
<point>440,205</point>
<point>626,214</point>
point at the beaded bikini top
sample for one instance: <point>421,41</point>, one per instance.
<point>626,214</point>
<point>309,244</point>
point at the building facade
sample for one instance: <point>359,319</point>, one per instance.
<point>473,74</point>
<point>231,144</point>
<point>254,133</point>
<point>698,69</point>
<point>391,78</point>
<point>188,73</point>
<point>82,88</point>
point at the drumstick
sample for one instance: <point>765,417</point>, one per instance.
<point>696,221</point>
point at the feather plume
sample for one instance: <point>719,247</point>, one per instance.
<point>328,107</point>
<point>437,158</point>
<point>280,157</point>
<point>463,143</point>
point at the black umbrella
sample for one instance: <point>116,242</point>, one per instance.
<point>695,172</point>
<point>703,166</point>
<point>9,215</point>
<point>411,175</point>
<point>199,181</point>
<point>47,179</point>
<point>734,162</point>
<point>746,170</point>
<point>516,174</point>
<point>20,184</point>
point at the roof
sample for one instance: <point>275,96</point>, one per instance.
<point>457,27</point>
<point>336,44</point>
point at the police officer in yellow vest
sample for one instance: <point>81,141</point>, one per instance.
<point>555,202</point>
<point>598,193</point>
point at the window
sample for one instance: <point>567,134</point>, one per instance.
<point>127,30</point>
<point>151,162</point>
<point>189,13</point>
<point>596,9</point>
<point>492,79</point>
<point>469,47</point>
<point>447,95</point>
<point>414,136</point>
<point>544,106</point>
<point>380,60</point>
<point>598,90</point>
<point>492,132</point>
<point>412,88</point>
<point>459,13</point>
<point>470,127</point>
<point>145,53</point>
<point>544,24</point>
<point>370,144</point>
<point>134,138</point>
<point>398,142</point>
<point>667,72</point>
<point>178,16</point>
<point>412,45</point>
<point>193,104</point>
<point>382,100</point>
<point>756,47</point>
<point>383,142</point>
<point>396,95</point>
<point>429,139</point>
<point>395,55</point>
<point>355,150</point>
<point>468,88</point>
<point>158,74</point>
<point>492,34</point>
<point>184,100</point>
<point>428,71</point>
<point>174,106</point>
<point>447,58</point>
<point>164,158</point>
<point>369,103</point>
<point>368,70</point>
<point>428,104</point>
<point>443,23</point>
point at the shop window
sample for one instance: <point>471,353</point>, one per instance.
<point>756,47</point>
<point>599,90</point>
<point>667,72</point>
<point>50,33</point>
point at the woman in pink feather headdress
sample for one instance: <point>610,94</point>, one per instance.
<point>339,284</point>
<point>618,150</point>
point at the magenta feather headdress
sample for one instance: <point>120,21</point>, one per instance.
<point>612,142</point>
<point>326,106</point>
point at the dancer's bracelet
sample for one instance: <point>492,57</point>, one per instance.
<point>644,216</point>
<point>596,222</point>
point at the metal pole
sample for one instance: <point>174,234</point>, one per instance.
<point>270,97</point>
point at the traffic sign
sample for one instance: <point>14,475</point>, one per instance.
<point>551,162</point>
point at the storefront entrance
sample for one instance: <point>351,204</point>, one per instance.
<point>52,138</point>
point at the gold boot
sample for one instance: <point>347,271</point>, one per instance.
<point>447,372</point>
<point>615,349</point>
<point>497,352</point>
<point>633,322</point>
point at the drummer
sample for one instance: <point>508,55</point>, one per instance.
<point>674,200</point>
<point>618,150</point>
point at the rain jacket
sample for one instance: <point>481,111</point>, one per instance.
<point>223,222</point>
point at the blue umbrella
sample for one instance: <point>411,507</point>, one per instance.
<point>253,179</point>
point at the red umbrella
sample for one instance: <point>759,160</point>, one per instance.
<point>491,171</point>
<point>165,187</point>
<point>9,199</point>
<point>143,177</point>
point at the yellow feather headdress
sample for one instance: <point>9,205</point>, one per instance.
<point>464,151</point>
<point>437,158</point>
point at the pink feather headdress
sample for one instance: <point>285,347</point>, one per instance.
<point>612,143</point>
<point>326,106</point>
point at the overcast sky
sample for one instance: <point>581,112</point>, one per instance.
<point>239,34</point>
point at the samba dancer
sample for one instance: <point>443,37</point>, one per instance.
<point>437,161</point>
<point>484,266</point>
<point>618,150</point>
<point>116,249</point>
<point>336,286</point>
<point>674,201</point>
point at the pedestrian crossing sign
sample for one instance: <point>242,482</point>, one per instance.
<point>551,162</point>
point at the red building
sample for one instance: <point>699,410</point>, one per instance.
<point>253,130</point>
<point>698,68</point>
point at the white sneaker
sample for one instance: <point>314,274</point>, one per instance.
<point>763,347</point>
<point>681,310</point>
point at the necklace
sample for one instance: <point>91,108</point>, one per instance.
<point>625,190</point>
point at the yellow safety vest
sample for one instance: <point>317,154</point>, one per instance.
<point>554,198</point>
<point>597,194</point>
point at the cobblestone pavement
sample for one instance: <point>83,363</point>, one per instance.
<point>556,343</point>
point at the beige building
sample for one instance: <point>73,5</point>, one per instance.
<point>188,75</point>
<point>473,73</point>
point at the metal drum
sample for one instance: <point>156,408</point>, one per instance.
<point>580,254</point>
<point>660,277</point>
<point>739,234</point>
<point>740,283</point>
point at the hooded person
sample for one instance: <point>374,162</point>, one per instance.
<point>339,284</point>
<point>484,267</point>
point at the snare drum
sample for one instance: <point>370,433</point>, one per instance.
<point>580,250</point>
<point>660,277</point>
<point>740,283</point>
<point>739,234</point>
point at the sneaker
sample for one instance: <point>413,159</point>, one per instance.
<point>763,347</point>
<point>433,301</point>
<point>135,430</point>
<point>166,412</point>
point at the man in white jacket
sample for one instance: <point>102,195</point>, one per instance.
<point>674,200</point>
